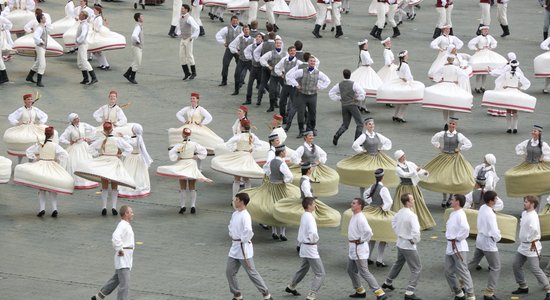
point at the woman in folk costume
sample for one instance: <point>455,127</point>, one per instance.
<point>324,179</point>
<point>401,91</point>
<point>60,26</point>
<point>410,174</point>
<point>97,26</point>
<point>186,170</point>
<point>301,9</point>
<point>507,95</point>
<point>487,170</point>
<point>276,186</point>
<point>364,75</point>
<point>277,130</point>
<point>531,176</point>
<point>378,212</point>
<point>26,45</point>
<point>240,162</point>
<point>485,58</point>
<point>28,128</point>
<point>19,12</point>
<point>5,169</point>
<point>389,71</point>
<point>195,117</point>
<point>77,136</point>
<point>113,113</point>
<point>106,166</point>
<point>137,164</point>
<point>358,170</point>
<point>242,114</point>
<point>449,171</point>
<point>46,174</point>
<point>542,64</point>
<point>101,39</point>
<point>448,95</point>
<point>441,44</point>
<point>495,111</point>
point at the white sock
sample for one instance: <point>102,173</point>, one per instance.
<point>509,121</point>
<point>236,187</point>
<point>42,199</point>
<point>483,79</point>
<point>247,184</point>
<point>515,119</point>
<point>381,249</point>
<point>371,249</point>
<point>283,231</point>
<point>53,197</point>
<point>274,229</point>
<point>182,198</point>
<point>104,195</point>
<point>546,83</point>
<point>19,159</point>
<point>478,81</point>
<point>193,197</point>
<point>114,197</point>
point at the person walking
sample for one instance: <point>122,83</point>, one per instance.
<point>188,30</point>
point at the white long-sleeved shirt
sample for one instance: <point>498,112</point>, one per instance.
<point>102,114</point>
<point>15,116</point>
<point>521,149</point>
<point>269,158</point>
<point>529,231</point>
<point>295,74</point>
<point>236,128</point>
<point>120,143</point>
<point>365,58</point>
<point>506,79</point>
<point>234,45</point>
<point>281,133</point>
<point>464,143</point>
<point>385,143</point>
<point>305,187</point>
<point>488,233</point>
<point>287,175</point>
<point>264,59</point>
<point>78,9</point>
<point>388,57</point>
<point>443,42</point>
<point>60,154</point>
<point>33,24</point>
<point>482,42</point>
<point>5,24</point>
<point>200,151</point>
<point>499,204</point>
<point>249,52</point>
<point>280,66</point>
<point>123,237</point>
<point>307,234</point>
<point>97,23</point>
<point>81,39</point>
<point>359,229</point>
<point>195,29</point>
<point>297,157</point>
<point>37,36</point>
<point>222,33</point>
<point>404,72</point>
<point>186,113</point>
<point>334,93</point>
<point>240,231</point>
<point>136,33</point>
<point>544,45</point>
<point>384,193</point>
<point>82,131</point>
<point>491,177</point>
<point>406,227</point>
<point>231,144</point>
<point>457,229</point>
<point>413,174</point>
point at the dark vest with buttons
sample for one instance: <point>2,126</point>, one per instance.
<point>533,153</point>
<point>376,197</point>
<point>405,181</point>
<point>232,33</point>
<point>450,143</point>
<point>308,156</point>
<point>243,43</point>
<point>275,59</point>
<point>347,93</point>
<point>308,82</point>
<point>371,144</point>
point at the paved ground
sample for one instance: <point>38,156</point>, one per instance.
<point>183,257</point>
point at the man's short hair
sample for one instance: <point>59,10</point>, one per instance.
<point>123,210</point>
<point>405,198</point>
<point>533,199</point>
<point>489,196</point>
<point>243,197</point>
<point>461,199</point>
<point>299,45</point>
<point>137,16</point>
<point>361,202</point>
<point>307,201</point>
<point>347,73</point>
<point>187,7</point>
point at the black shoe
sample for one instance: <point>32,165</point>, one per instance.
<point>394,119</point>
<point>274,236</point>
<point>389,105</point>
<point>259,102</point>
<point>235,93</point>
<point>493,297</point>
<point>293,292</point>
<point>381,264</point>
<point>335,140</point>
<point>544,91</point>
<point>369,262</point>
<point>324,26</point>
<point>514,131</point>
<point>221,19</point>
<point>114,212</point>
<point>521,291</point>
<point>143,6</point>
<point>300,135</point>
<point>283,238</point>
<point>247,102</point>
<point>509,131</point>
<point>547,296</point>
<point>401,120</point>
<point>94,79</point>
<point>193,210</point>
<point>41,213</point>
<point>30,76</point>
<point>182,210</point>
<point>298,249</point>
<point>460,298</point>
<point>478,268</point>
<point>224,83</point>
<point>93,298</point>
<point>482,90</point>
<point>387,286</point>
<point>358,295</point>
<point>104,212</point>
<point>364,110</point>
<point>135,5</point>
<point>411,297</point>
<point>478,91</point>
<point>265,227</point>
<point>270,109</point>
<point>54,214</point>
<point>193,72</point>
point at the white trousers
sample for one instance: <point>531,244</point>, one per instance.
<point>252,11</point>
<point>196,14</point>
<point>391,15</point>
<point>336,18</point>
<point>39,65</point>
<point>444,16</point>
<point>101,58</point>
<point>136,61</point>
<point>502,13</point>
<point>485,14</point>
<point>186,52</point>
<point>321,13</point>
<point>269,12</point>
<point>82,58</point>
<point>380,14</point>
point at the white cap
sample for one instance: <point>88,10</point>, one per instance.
<point>398,154</point>
<point>363,42</point>
<point>511,56</point>
<point>72,116</point>
<point>483,27</point>
<point>490,159</point>
<point>385,40</point>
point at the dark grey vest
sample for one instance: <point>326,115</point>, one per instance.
<point>477,199</point>
<point>346,93</point>
<point>371,144</point>
<point>405,181</point>
<point>185,27</point>
<point>289,64</point>
<point>300,55</point>
<point>376,198</point>
<point>275,59</point>
<point>450,143</point>
<point>232,33</point>
<point>243,43</point>
<point>308,82</point>
<point>308,156</point>
<point>533,153</point>
<point>267,46</point>
<point>276,175</point>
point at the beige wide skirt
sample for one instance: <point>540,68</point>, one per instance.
<point>5,169</point>
<point>264,197</point>
<point>289,211</point>
<point>238,163</point>
<point>420,209</point>
<point>358,170</point>
<point>79,152</point>
<point>324,180</point>
<point>45,175</point>
<point>105,167</point>
<point>19,138</point>
<point>135,166</point>
<point>183,169</point>
<point>379,221</point>
<point>449,173</point>
<point>528,179</point>
<point>200,134</point>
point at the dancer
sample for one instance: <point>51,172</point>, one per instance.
<point>256,68</point>
<point>186,170</point>
<point>241,251</point>
<point>137,49</point>
<point>301,10</point>
<point>137,164</point>
<point>40,37</point>
<point>97,26</point>
<point>225,36</point>
<point>402,90</point>
<point>487,170</point>
<point>5,26</point>
<point>176,16</point>
<point>269,60</point>
<point>288,92</point>
<point>188,30</point>
<point>542,64</point>
<point>442,44</point>
<point>82,42</point>
<point>196,10</point>
<point>484,59</point>
<point>244,64</point>
<point>106,167</point>
<point>46,174</point>
<point>265,72</point>
<point>410,174</point>
<point>389,71</point>
<point>242,114</point>
<point>364,75</point>
<point>444,9</point>
<point>77,136</point>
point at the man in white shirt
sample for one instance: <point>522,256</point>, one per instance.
<point>308,238</point>
<point>188,30</point>
<point>530,248</point>
<point>123,242</point>
<point>487,238</point>
<point>456,253</point>
<point>225,36</point>
<point>137,49</point>
<point>82,56</point>
<point>407,228</point>
<point>359,234</point>
<point>40,37</point>
<point>241,251</point>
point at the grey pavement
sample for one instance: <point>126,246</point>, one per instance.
<point>183,257</point>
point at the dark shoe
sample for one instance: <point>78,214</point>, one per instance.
<point>274,236</point>
<point>335,140</point>
<point>283,238</point>
<point>182,210</point>
<point>235,93</point>
<point>135,5</point>
<point>193,72</point>
<point>358,295</point>
<point>300,135</point>
<point>509,131</point>
<point>544,91</point>
<point>493,297</point>
<point>126,75</point>
<point>186,72</point>
<point>520,291</point>
<point>223,83</point>
<point>293,292</point>
<point>411,297</point>
<point>54,214</point>
<point>132,77</point>
<point>394,119</point>
<point>221,19</point>
<point>514,131</point>
<point>478,268</point>
<point>387,286</point>
<point>143,6</point>
<point>94,79</point>
<point>460,298</point>
<point>106,68</point>
<point>389,105</point>
<point>396,32</point>
<point>72,51</point>
<point>482,90</point>
<point>478,91</point>
<point>41,213</point>
<point>316,31</point>
<point>93,298</point>
<point>505,30</point>
<point>193,210</point>
<point>30,76</point>
<point>369,262</point>
<point>247,102</point>
<point>211,16</point>
<point>400,120</point>
<point>374,31</point>
<point>104,212</point>
<point>265,227</point>
<point>547,296</point>
<point>201,31</point>
<point>298,249</point>
<point>324,26</point>
<point>259,102</point>
<point>270,109</point>
<point>364,110</point>
<point>39,80</point>
<point>381,264</point>
<point>339,32</point>
<point>172,32</point>
<point>114,212</point>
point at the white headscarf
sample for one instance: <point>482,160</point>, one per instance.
<point>71,117</point>
<point>138,131</point>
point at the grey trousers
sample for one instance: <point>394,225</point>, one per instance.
<point>455,266</point>
<point>358,268</point>
<point>534,267</point>
<point>226,60</point>
<point>233,266</point>
<point>413,261</point>
<point>349,112</point>
<point>318,270</point>
<point>120,279</point>
<point>493,258</point>
<point>306,103</point>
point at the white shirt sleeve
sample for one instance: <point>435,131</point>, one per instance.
<point>366,59</point>
<point>257,54</point>
<point>200,151</point>
<point>98,114</point>
<point>83,34</point>
<point>65,137</point>
<point>37,36</point>
<point>286,173</point>
<point>360,93</point>
<point>388,58</point>
<point>437,138</point>
<point>173,153</point>
<point>61,155</point>
<point>182,113</point>
<point>32,151</point>
<point>206,115</point>
<point>358,143</point>
<point>135,34</point>
<point>323,81</point>
<point>297,157</point>
<point>40,115</point>
<point>234,45</point>
<point>248,52</point>
<point>124,146</point>
<point>385,143</point>
<point>195,29</point>
<point>322,154</point>
<point>28,27</point>
<point>386,197</point>
<point>466,143</point>
<point>334,93</point>
<point>279,68</point>
<point>264,59</point>
<point>293,76</point>
<point>457,42</point>
<point>492,42</point>
<point>221,34</point>
<point>544,44</point>
<point>521,148</point>
<point>472,44</point>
